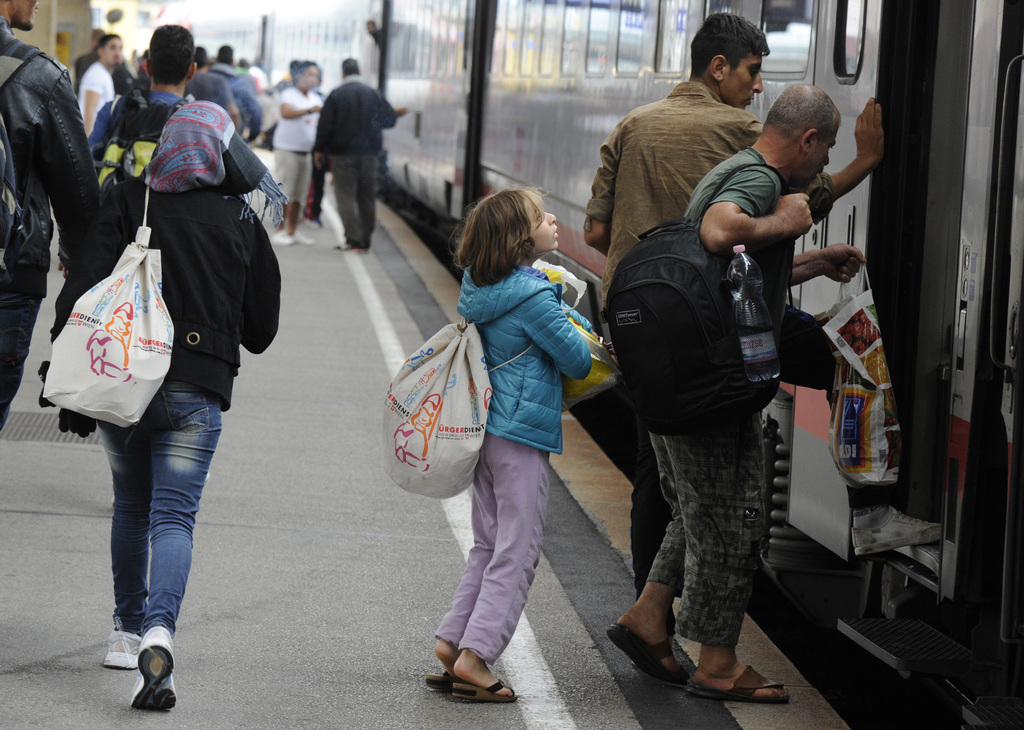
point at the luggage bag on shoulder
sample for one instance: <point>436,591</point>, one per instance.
<point>670,312</point>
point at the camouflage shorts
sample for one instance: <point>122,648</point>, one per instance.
<point>713,481</point>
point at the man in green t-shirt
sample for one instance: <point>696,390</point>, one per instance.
<point>714,479</point>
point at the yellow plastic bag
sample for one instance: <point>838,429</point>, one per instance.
<point>604,372</point>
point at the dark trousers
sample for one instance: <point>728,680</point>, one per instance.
<point>355,190</point>
<point>805,359</point>
<point>18,313</point>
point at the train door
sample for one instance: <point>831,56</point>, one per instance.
<point>1009,258</point>
<point>846,67</point>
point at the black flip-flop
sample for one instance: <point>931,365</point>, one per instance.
<point>440,682</point>
<point>647,658</point>
<point>466,691</point>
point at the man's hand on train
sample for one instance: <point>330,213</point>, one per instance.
<point>869,135</point>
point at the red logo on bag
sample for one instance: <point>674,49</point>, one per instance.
<point>420,427</point>
<point>102,352</point>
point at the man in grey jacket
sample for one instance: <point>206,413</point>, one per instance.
<point>350,130</point>
<point>53,168</point>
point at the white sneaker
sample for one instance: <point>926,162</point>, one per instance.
<point>896,531</point>
<point>154,686</point>
<point>303,239</point>
<point>282,238</point>
<point>123,651</point>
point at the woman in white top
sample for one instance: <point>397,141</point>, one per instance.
<point>293,142</point>
<point>97,84</point>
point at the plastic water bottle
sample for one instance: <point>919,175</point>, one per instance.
<point>753,323</point>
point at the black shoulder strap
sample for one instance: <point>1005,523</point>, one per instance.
<point>721,185</point>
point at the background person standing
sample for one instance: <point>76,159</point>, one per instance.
<point>293,141</point>
<point>351,132</point>
<point>97,87</point>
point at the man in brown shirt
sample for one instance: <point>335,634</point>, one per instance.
<point>651,162</point>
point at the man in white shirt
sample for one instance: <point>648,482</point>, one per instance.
<point>97,86</point>
<point>293,143</point>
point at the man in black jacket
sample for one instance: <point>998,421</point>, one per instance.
<point>53,167</point>
<point>350,131</point>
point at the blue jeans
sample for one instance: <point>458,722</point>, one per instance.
<point>159,468</point>
<point>18,314</point>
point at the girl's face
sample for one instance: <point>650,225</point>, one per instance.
<point>545,235</point>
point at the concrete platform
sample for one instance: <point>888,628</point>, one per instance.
<point>316,583</point>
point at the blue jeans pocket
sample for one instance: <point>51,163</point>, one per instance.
<point>190,411</point>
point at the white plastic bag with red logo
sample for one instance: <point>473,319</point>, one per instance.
<point>435,414</point>
<point>115,349</point>
<point>864,430</point>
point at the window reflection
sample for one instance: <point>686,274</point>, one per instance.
<point>672,38</point>
<point>572,37</point>
<point>749,9</point>
<point>531,34</point>
<point>597,36</point>
<point>850,45</point>
<point>631,28</point>
<point>549,41</point>
<point>787,28</point>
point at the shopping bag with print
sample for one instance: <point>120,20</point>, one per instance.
<point>864,429</point>
<point>115,349</point>
<point>604,372</point>
<point>435,414</point>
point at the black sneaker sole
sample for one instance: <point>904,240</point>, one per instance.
<point>155,664</point>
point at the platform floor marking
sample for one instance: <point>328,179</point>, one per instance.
<point>529,674</point>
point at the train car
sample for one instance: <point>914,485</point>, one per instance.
<point>508,92</point>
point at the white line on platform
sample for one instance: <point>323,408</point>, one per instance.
<point>541,705</point>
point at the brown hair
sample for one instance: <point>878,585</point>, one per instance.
<point>495,233</point>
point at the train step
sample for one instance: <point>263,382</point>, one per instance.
<point>908,645</point>
<point>994,713</point>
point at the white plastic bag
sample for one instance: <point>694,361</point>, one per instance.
<point>435,414</point>
<point>112,355</point>
<point>864,429</point>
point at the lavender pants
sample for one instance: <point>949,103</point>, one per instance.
<point>510,499</point>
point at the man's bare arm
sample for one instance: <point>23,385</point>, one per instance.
<point>870,148</point>
<point>726,225</point>
<point>599,237</point>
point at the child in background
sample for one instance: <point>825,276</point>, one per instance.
<point>528,341</point>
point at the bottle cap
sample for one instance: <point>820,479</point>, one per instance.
<point>739,249</point>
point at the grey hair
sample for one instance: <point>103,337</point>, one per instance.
<point>803,107</point>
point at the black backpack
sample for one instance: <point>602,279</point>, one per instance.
<point>129,144</point>
<point>10,208</point>
<point>670,312</point>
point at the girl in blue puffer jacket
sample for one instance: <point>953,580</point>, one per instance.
<point>528,342</point>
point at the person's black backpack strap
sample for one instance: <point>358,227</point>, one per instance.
<point>674,331</point>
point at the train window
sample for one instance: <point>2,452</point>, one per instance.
<point>498,47</point>
<point>849,41</point>
<point>787,28</point>
<point>532,16</point>
<point>573,30</point>
<point>631,29</point>
<point>597,36</point>
<point>512,30</point>
<point>749,9</point>
<point>671,37</point>
<point>549,37</point>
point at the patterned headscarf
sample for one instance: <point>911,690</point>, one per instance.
<point>199,149</point>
